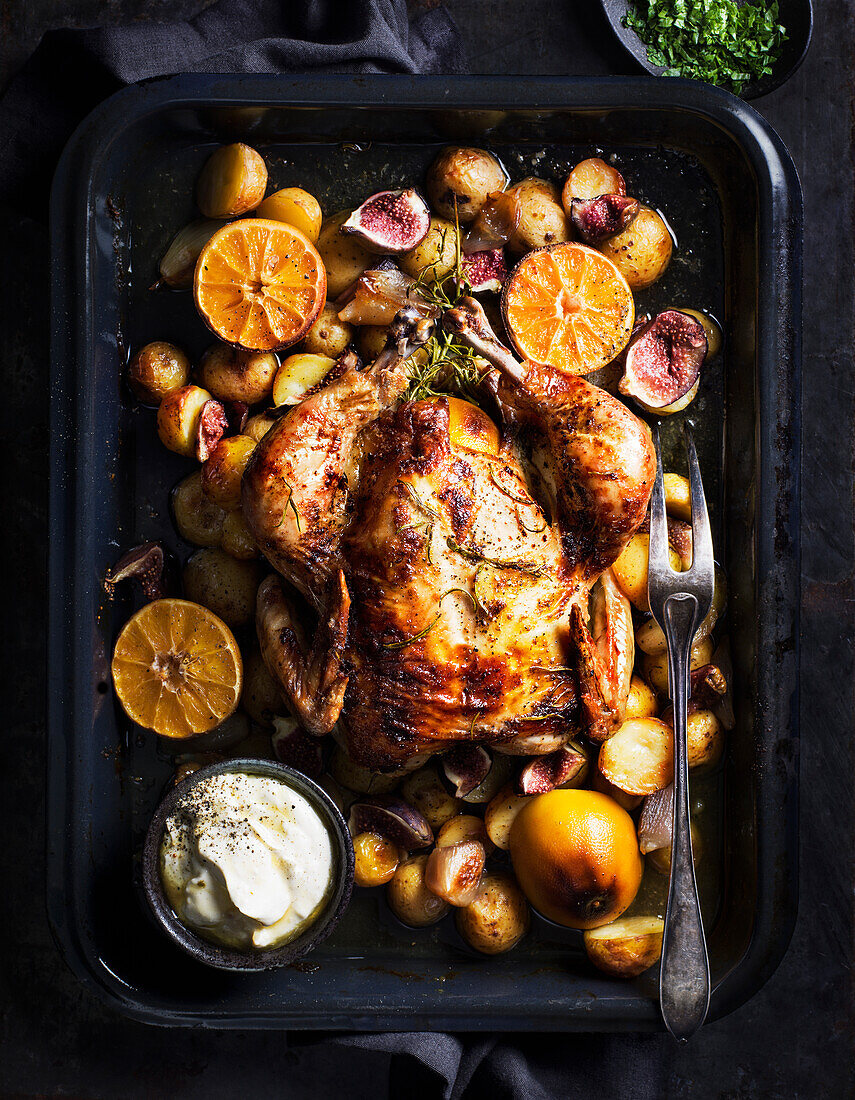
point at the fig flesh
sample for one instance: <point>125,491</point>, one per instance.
<point>662,363</point>
<point>485,270</point>
<point>297,748</point>
<point>465,767</point>
<point>393,818</point>
<point>596,220</point>
<point>390,222</point>
<point>545,773</point>
<point>146,564</point>
<point>211,428</point>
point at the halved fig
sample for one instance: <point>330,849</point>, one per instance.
<point>146,564</point>
<point>210,429</point>
<point>501,770</point>
<point>545,773</point>
<point>662,363</point>
<point>709,685</point>
<point>393,818</point>
<point>485,270</point>
<point>390,222</point>
<point>466,766</point>
<point>679,536</point>
<point>496,222</point>
<point>297,748</point>
<point>454,872</point>
<point>598,219</point>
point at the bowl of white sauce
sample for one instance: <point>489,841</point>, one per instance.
<point>247,864</point>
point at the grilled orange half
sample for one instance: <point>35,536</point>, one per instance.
<point>177,668</point>
<point>568,307</point>
<point>259,284</point>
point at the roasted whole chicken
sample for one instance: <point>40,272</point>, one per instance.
<point>459,572</point>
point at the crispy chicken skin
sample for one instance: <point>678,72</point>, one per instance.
<point>468,602</point>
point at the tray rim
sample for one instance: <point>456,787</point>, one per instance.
<point>779,224</point>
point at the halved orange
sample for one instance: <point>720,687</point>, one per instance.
<point>177,668</point>
<point>568,307</point>
<point>259,284</point>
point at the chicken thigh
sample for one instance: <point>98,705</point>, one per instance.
<point>451,569</point>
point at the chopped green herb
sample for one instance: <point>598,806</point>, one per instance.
<point>719,41</point>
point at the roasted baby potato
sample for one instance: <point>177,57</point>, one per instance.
<point>460,181</point>
<point>498,918</point>
<point>500,813</point>
<point>629,802</point>
<point>236,374</point>
<point>232,182</point>
<point>261,697</point>
<point>410,899</point>
<point>426,791</point>
<point>435,256</point>
<point>223,584</point>
<point>639,757</point>
<point>464,827</point>
<point>328,335</point>
<point>704,737</point>
<point>223,470</point>
<point>157,370</point>
<point>626,947</point>
<point>590,179</point>
<point>237,539</point>
<point>259,425</point>
<point>643,251</point>
<point>197,518</point>
<point>371,340</point>
<point>296,207</point>
<point>343,258</point>
<point>678,497</point>
<point>359,779</point>
<point>297,375</point>
<point>655,665</point>
<point>630,569</point>
<point>178,419</point>
<point>542,219</point>
<point>642,701</point>
<point>376,859</point>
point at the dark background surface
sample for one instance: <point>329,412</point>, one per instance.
<point>795,1038</point>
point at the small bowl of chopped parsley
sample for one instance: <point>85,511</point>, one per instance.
<point>748,47</point>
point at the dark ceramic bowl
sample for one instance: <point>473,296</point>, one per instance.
<point>796,16</point>
<point>227,958</point>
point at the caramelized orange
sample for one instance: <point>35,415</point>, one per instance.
<point>470,428</point>
<point>568,307</point>
<point>259,284</point>
<point>576,857</point>
<point>177,668</point>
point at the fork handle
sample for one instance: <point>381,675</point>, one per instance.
<point>684,975</point>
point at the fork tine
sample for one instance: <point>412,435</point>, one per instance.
<point>659,559</point>
<point>703,557</point>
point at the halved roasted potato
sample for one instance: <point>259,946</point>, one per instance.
<point>626,947</point>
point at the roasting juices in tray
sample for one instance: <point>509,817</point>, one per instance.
<point>421,502</point>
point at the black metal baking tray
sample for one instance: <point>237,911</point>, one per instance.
<point>122,188</point>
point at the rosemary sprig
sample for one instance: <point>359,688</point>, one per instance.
<point>472,553</point>
<point>417,499</point>
<point>426,630</point>
<point>448,366</point>
<point>290,503</point>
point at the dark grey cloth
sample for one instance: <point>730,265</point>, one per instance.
<point>71,71</point>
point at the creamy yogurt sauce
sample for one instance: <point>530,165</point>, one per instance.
<point>245,860</point>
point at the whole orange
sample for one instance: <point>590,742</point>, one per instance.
<point>576,857</point>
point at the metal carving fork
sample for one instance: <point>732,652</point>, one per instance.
<point>680,602</point>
